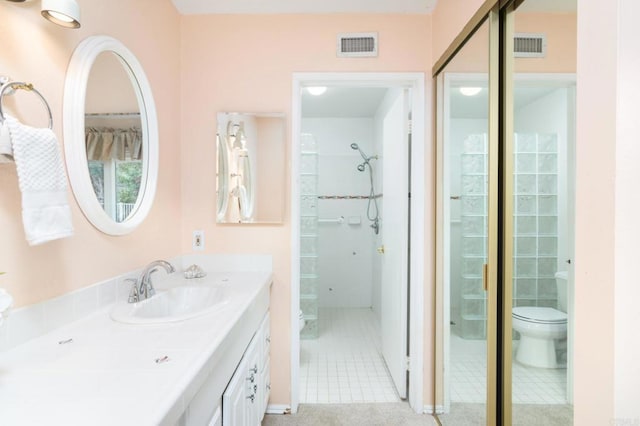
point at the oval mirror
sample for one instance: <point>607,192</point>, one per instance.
<point>111,136</point>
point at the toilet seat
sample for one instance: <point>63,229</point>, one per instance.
<point>539,315</point>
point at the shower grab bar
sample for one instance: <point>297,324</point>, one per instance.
<point>336,220</point>
<point>348,197</point>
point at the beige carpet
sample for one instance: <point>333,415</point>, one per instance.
<point>383,414</point>
<point>523,415</point>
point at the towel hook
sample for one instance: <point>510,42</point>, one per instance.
<point>18,85</point>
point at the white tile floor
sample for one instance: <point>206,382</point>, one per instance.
<point>344,364</point>
<point>530,385</point>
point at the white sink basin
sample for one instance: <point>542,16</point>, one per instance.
<point>171,305</point>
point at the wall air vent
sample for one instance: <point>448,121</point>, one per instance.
<point>358,45</point>
<point>529,45</point>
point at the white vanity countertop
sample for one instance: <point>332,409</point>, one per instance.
<point>108,374</point>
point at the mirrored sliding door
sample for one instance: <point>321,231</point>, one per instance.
<point>467,150</point>
<point>505,128</point>
<point>538,159</point>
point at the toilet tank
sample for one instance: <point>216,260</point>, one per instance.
<point>562,279</point>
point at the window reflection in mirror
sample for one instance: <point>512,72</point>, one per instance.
<point>113,136</point>
<point>250,175</point>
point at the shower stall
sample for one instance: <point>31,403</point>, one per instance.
<point>354,145</point>
<point>334,217</point>
<point>340,219</point>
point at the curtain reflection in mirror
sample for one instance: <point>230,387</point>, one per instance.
<point>114,153</point>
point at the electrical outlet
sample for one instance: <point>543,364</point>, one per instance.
<point>198,240</point>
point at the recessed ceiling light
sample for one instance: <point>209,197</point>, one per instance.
<point>316,90</point>
<point>470,91</point>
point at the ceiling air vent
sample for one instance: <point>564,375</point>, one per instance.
<point>358,45</point>
<point>529,45</point>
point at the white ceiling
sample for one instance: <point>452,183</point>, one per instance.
<point>192,7</point>
<point>343,102</point>
<point>359,102</point>
<point>477,107</point>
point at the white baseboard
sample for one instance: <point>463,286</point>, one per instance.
<point>278,409</point>
<point>429,409</point>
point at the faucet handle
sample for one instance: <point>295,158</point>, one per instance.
<point>134,296</point>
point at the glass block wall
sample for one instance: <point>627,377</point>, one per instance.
<point>535,226</point>
<point>473,217</point>
<point>309,236</point>
<point>536,220</point>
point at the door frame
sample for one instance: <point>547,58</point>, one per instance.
<point>417,259</point>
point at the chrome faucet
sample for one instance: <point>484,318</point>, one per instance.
<point>142,287</point>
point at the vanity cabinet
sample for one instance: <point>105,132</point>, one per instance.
<point>244,401</point>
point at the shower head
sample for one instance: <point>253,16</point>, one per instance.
<point>362,154</point>
<point>361,167</point>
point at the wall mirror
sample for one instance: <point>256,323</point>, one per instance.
<point>111,135</point>
<point>250,173</point>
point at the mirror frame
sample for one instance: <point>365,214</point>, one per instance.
<point>75,90</point>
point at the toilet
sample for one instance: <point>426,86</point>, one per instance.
<point>540,328</point>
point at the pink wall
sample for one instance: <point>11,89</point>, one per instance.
<point>606,343</point>
<point>560,30</point>
<point>595,207</point>
<point>245,63</point>
<point>37,51</point>
<point>449,17</point>
<point>231,63</point>
<point>627,291</point>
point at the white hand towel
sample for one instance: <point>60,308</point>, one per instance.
<point>46,214</point>
<point>6,151</point>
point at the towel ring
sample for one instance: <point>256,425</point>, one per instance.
<point>29,88</point>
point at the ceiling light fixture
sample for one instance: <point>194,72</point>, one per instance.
<point>316,90</point>
<point>65,13</point>
<point>470,91</point>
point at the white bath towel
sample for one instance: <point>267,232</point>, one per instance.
<point>6,151</point>
<point>45,211</point>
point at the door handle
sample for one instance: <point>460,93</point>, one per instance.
<point>485,276</point>
<point>380,249</point>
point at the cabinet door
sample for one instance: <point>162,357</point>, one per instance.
<point>234,397</point>
<point>254,383</point>
<point>266,388</point>
<point>244,401</point>
<point>264,334</point>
